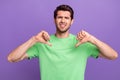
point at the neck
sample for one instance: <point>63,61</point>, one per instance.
<point>62,35</point>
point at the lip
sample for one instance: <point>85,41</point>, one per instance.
<point>62,25</point>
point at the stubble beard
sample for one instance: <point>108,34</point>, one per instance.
<point>62,31</point>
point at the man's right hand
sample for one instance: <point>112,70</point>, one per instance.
<point>43,37</point>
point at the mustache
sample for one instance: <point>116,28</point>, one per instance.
<point>62,23</point>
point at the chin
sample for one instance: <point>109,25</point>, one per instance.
<point>63,30</point>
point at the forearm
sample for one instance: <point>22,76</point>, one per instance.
<point>105,50</point>
<point>20,51</point>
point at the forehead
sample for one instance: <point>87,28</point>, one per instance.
<point>63,13</point>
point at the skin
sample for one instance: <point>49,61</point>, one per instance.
<point>63,22</point>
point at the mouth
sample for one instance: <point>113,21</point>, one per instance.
<point>62,25</point>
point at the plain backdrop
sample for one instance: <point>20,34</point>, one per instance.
<point>21,19</point>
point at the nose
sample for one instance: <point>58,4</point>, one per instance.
<point>62,20</point>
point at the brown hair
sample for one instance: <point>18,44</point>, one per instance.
<point>64,8</point>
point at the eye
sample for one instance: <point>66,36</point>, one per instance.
<point>67,18</point>
<point>59,17</point>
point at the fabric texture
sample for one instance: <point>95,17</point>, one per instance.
<point>62,60</point>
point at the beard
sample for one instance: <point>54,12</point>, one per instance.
<point>62,31</point>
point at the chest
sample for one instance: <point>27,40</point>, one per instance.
<point>63,55</point>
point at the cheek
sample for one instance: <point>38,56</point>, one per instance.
<point>69,22</point>
<point>57,21</point>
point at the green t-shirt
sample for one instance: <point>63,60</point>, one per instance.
<point>62,60</point>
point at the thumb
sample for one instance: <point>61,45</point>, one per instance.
<point>48,43</point>
<point>78,43</point>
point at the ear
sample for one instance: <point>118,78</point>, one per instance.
<point>72,21</point>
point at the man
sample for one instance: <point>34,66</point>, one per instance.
<point>62,55</point>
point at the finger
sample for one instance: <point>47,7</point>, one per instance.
<point>78,44</point>
<point>77,36</point>
<point>83,32</point>
<point>80,36</point>
<point>46,36</point>
<point>48,43</point>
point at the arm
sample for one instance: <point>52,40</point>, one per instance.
<point>19,53</point>
<point>105,50</point>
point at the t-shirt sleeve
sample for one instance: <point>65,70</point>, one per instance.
<point>94,51</point>
<point>33,51</point>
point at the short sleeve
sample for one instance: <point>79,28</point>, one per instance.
<point>33,51</point>
<point>94,51</point>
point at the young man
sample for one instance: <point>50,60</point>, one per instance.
<point>62,55</point>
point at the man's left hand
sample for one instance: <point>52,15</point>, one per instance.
<point>83,37</point>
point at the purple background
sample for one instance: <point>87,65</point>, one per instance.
<point>21,19</point>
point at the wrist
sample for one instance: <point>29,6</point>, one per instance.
<point>33,40</point>
<point>93,40</point>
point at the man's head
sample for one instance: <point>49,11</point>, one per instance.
<point>63,16</point>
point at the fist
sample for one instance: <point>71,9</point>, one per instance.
<point>83,37</point>
<point>43,37</point>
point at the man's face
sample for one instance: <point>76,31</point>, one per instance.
<point>63,21</point>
